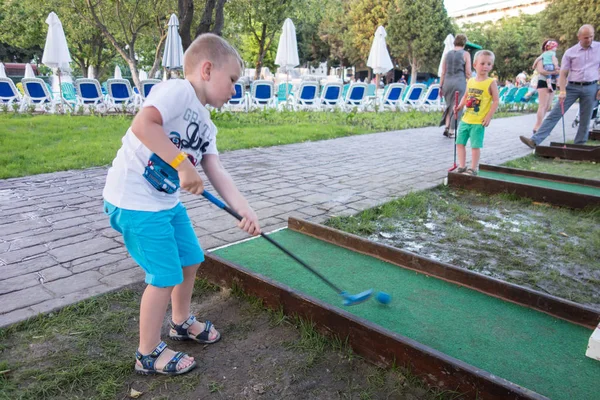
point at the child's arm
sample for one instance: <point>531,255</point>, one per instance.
<point>442,77</point>
<point>495,103</point>
<point>223,183</point>
<point>555,62</point>
<point>463,101</point>
<point>147,127</point>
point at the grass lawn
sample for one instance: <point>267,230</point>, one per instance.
<point>580,169</point>
<point>37,144</point>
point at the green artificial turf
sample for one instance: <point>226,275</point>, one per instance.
<point>526,180</point>
<point>524,346</point>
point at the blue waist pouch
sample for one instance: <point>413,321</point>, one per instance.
<point>161,175</point>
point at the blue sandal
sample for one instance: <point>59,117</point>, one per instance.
<point>170,368</point>
<point>180,332</point>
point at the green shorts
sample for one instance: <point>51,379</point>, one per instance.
<point>470,131</point>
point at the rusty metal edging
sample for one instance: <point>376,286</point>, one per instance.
<point>554,306</point>
<point>569,153</point>
<point>536,193</point>
<point>540,175</point>
<point>369,340</point>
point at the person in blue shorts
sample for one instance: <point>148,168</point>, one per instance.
<point>173,131</point>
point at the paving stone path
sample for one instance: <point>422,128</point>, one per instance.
<point>56,246</point>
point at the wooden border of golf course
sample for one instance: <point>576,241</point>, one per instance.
<point>384,347</point>
<point>554,306</point>
<point>594,135</point>
<point>569,152</point>
<point>376,344</point>
<point>536,193</point>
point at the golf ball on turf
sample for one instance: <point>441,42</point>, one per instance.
<point>383,298</point>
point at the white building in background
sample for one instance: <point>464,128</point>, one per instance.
<point>495,10</point>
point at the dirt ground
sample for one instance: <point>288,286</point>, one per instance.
<point>549,249</point>
<point>263,356</point>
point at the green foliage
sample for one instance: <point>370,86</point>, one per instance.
<point>333,30</point>
<point>311,48</point>
<point>416,32</point>
<point>515,41</point>
<point>29,144</point>
<point>580,169</point>
<point>23,26</point>
<point>259,22</point>
<point>563,18</point>
<point>364,18</point>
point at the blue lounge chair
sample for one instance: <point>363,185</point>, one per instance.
<point>356,97</point>
<point>147,85</point>
<point>414,94</point>
<point>307,96</point>
<point>37,94</point>
<point>262,94</point>
<point>331,95</point>
<point>392,97</point>
<point>431,99</point>
<point>239,100</point>
<point>9,94</point>
<point>120,95</point>
<point>89,94</point>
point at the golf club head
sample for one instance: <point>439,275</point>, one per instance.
<point>353,299</point>
<point>453,168</point>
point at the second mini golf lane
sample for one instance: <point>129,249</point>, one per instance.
<point>527,180</point>
<point>522,345</point>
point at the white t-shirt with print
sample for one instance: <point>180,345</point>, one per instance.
<point>186,122</point>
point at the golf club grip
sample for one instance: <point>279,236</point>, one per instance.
<point>225,207</point>
<point>455,104</point>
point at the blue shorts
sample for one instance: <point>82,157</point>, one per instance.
<point>161,242</point>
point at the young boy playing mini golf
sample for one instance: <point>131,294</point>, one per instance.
<point>175,126</point>
<point>481,102</point>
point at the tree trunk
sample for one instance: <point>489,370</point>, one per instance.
<point>157,57</point>
<point>219,18</point>
<point>185,9</point>
<point>207,18</point>
<point>261,51</point>
<point>414,65</point>
<point>83,68</point>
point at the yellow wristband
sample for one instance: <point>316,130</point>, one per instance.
<point>178,160</point>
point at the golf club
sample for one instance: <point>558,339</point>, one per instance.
<point>349,299</point>
<point>454,166</point>
<point>562,109</point>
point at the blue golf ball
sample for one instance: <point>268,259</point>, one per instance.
<point>383,298</point>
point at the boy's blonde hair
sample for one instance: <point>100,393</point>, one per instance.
<point>210,47</point>
<point>484,53</point>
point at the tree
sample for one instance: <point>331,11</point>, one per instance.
<point>416,32</point>
<point>260,20</point>
<point>562,19</point>
<point>23,27</point>
<point>364,18</point>
<point>515,42</point>
<point>307,20</point>
<point>212,19</point>
<point>333,30</point>
<point>122,22</point>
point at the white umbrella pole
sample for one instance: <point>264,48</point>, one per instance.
<point>60,90</point>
